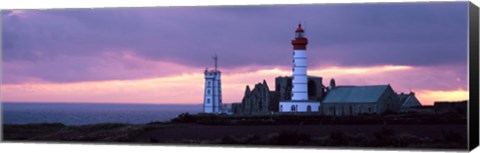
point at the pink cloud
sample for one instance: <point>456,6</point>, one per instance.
<point>188,87</point>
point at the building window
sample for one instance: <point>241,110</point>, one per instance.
<point>293,108</point>
<point>208,91</point>
<point>208,101</point>
<point>209,82</point>
<point>281,108</point>
<point>309,108</point>
<point>369,109</point>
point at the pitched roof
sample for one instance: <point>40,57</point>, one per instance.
<point>355,94</point>
<point>403,97</point>
<point>409,100</point>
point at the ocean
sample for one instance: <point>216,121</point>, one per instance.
<point>81,113</point>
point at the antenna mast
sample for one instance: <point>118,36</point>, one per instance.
<point>216,61</point>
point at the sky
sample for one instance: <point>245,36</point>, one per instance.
<point>158,54</point>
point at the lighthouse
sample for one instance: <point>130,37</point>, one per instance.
<point>299,70</point>
<point>299,101</point>
<point>212,101</point>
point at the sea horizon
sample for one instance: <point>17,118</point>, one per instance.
<point>120,103</point>
<point>92,113</point>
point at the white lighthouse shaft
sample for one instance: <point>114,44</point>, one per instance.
<point>299,80</point>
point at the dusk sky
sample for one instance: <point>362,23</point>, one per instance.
<point>158,54</point>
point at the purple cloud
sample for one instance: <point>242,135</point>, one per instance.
<point>416,34</point>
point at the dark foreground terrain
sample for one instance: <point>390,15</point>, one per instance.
<point>394,132</point>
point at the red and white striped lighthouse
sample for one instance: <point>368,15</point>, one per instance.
<point>299,70</point>
<point>299,101</point>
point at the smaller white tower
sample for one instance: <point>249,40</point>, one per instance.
<point>212,102</point>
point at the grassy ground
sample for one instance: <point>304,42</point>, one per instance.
<point>395,132</point>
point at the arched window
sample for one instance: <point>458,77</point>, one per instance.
<point>309,108</point>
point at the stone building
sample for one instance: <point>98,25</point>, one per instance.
<point>409,101</point>
<point>259,100</point>
<point>283,86</point>
<point>316,89</point>
<point>354,100</point>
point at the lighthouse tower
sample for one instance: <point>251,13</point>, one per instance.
<point>299,71</point>
<point>212,102</point>
<point>299,101</point>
